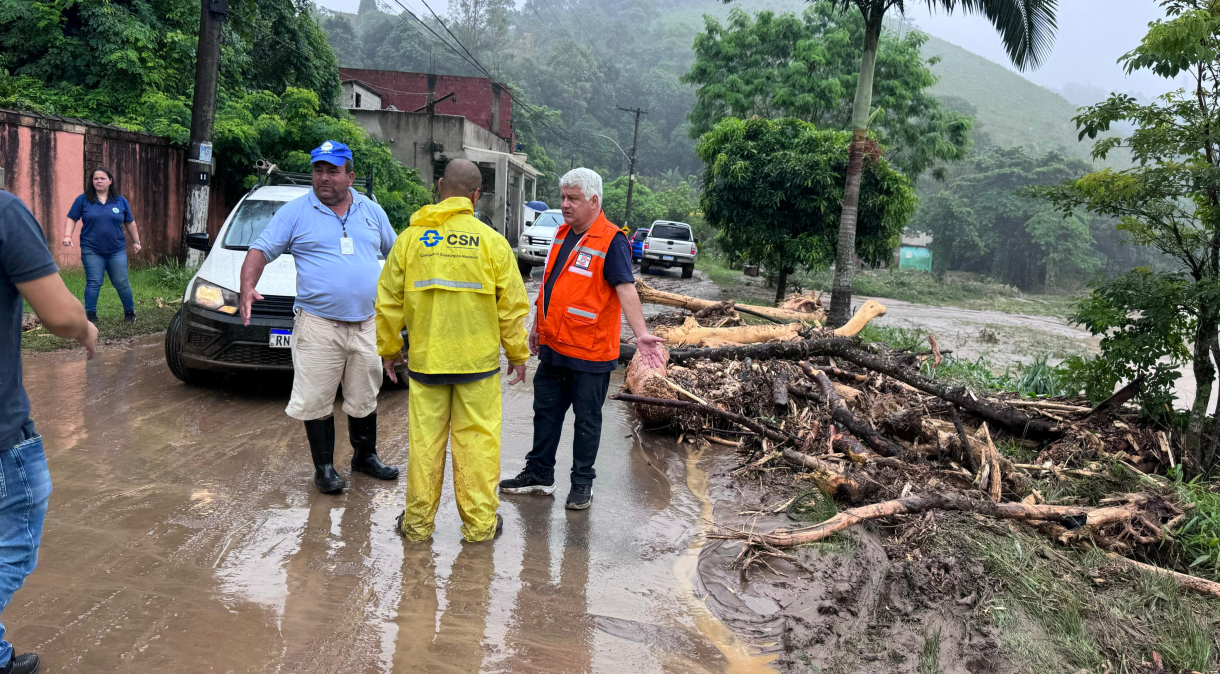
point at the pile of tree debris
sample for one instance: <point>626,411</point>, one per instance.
<point>866,428</point>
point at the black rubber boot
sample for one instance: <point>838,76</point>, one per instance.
<point>363,434</point>
<point>26,663</point>
<point>321,434</point>
<point>92,316</point>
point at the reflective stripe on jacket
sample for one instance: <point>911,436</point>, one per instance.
<point>454,283</point>
<point>584,318</point>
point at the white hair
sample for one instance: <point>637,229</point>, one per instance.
<point>589,182</point>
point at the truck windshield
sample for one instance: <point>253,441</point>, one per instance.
<point>673,232</point>
<point>249,222</point>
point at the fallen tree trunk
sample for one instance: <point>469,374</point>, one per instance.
<point>867,312</point>
<point>650,295</point>
<point>1116,401</point>
<point>1018,423</point>
<point>1192,583</point>
<point>650,382</point>
<point>691,333</point>
<point>839,412</point>
<point>787,538</point>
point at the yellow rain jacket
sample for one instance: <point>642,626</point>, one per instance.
<point>454,283</point>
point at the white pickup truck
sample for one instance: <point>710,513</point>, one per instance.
<point>670,244</point>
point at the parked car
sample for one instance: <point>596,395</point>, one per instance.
<point>670,244</point>
<point>637,243</point>
<point>207,334</point>
<point>535,242</point>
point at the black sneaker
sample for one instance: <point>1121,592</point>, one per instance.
<point>26,663</point>
<point>580,497</point>
<point>92,316</point>
<point>526,483</point>
<point>129,317</point>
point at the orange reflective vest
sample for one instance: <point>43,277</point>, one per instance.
<point>584,318</point>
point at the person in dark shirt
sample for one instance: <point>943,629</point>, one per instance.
<point>27,271</point>
<point>103,248</point>
<point>587,291</point>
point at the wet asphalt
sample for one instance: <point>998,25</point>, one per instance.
<point>185,535</point>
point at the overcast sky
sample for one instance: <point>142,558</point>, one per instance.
<point>1092,35</point>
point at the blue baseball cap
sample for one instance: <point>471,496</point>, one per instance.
<point>331,151</point>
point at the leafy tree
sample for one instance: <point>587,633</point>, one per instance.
<point>771,189</point>
<point>132,64</point>
<point>1153,322</point>
<point>808,66</point>
<point>1026,27</point>
<point>982,220</point>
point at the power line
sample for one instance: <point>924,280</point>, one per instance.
<point>526,107</point>
<point>586,34</point>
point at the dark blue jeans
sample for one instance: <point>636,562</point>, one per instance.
<point>555,390</point>
<point>25,487</point>
<point>97,266</point>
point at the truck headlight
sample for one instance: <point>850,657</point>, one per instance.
<point>211,296</point>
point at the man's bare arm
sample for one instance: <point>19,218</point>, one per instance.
<point>251,272</point>
<point>59,310</point>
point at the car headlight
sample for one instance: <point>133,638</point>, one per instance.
<point>211,296</point>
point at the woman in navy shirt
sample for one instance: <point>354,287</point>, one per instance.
<point>103,247</point>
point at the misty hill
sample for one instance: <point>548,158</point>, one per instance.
<point>1008,109</point>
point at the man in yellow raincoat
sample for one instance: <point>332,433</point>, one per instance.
<point>454,283</point>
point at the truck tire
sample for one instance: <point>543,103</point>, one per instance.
<point>688,270</point>
<point>173,353</point>
<point>524,268</point>
<point>645,265</point>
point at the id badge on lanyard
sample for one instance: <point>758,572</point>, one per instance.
<point>346,245</point>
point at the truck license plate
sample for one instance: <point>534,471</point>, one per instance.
<point>667,258</point>
<point>280,338</point>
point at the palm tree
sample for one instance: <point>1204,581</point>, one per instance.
<point>1027,28</point>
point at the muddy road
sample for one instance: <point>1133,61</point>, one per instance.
<point>185,534</point>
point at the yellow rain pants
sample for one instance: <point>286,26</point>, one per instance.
<point>472,412</point>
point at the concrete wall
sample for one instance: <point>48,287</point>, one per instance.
<point>410,133</point>
<point>47,161</point>
<point>480,100</point>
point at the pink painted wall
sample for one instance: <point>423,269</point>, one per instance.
<point>46,162</point>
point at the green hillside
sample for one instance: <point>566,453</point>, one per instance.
<point>1008,109</point>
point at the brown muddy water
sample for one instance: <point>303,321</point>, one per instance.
<point>185,535</point>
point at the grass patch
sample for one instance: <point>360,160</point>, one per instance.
<point>1199,536</point>
<point>929,659</point>
<point>1053,614</point>
<point>166,282</point>
<point>1036,379</point>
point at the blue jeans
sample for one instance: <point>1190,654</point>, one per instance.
<point>25,486</point>
<point>557,388</point>
<point>97,266</point>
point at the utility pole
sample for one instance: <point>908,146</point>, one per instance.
<point>203,112</point>
<point>635,137</point>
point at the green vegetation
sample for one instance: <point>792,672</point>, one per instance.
<point>807,67</point>
<point>1009,110</point>
<point>669,201</point>
<point>1063,610</point>
<point>1152,322</point>
<point>771,190</point>
<point>132,64</point>
<point>982,221</point>
<point>164,283</point>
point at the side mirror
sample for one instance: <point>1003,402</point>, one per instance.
<point>199,241</point>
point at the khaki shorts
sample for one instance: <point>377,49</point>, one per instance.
<point>325,353</point>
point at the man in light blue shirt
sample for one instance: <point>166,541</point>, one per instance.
<point>335,236</point>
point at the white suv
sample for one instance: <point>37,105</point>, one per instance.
<point>535,242</point>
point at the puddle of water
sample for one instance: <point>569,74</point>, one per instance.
<point>741,657</point>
